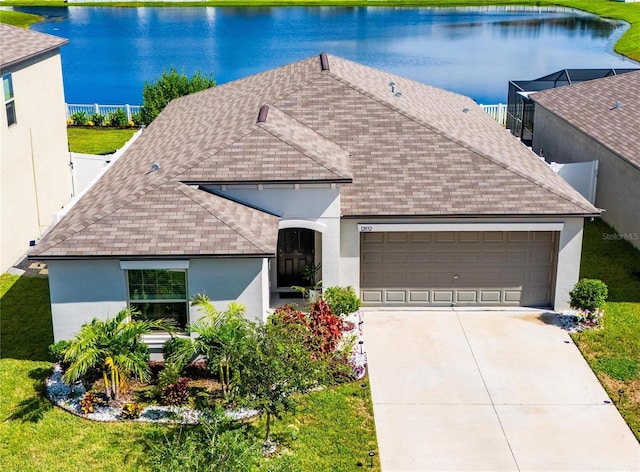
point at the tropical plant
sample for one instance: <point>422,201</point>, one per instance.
<point>221,338</point>
<point>275,366</point>
<point>179,351</point>
<point>115,347</point>
<point>172,84</point>
<point>87,403</point>
<point>176,393</point>
<point>342,300</point>
<point>326,328</point>
<point>131,411</point>
<point>589,294</point>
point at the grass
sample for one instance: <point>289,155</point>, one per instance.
<point>334,428</point>
<point>628,45</point>
<point>16,18</point>
<point>613,352</point>
<point>97,140</point>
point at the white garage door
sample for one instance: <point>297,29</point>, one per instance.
<point>512,268</point>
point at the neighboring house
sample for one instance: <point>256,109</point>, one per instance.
<point>520,107</point>
<point>35,179</point>
<point>411,194</point>
<point>598,120</point>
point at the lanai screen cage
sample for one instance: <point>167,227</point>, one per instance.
<point>520,107</point>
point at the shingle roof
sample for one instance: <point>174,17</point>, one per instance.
<point>591,108</point>
<point>427,152</point>
<point>19,44</point>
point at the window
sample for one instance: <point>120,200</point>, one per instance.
<point>159,293</point>
<point>9,102</point>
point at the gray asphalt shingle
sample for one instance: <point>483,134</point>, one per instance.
<point>428,152</point>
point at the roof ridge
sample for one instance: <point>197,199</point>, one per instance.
<point>448,136</point>
<point>310,153</point>
<point>194,195</point>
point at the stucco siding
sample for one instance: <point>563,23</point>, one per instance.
<point>83,290</point>
<point>35,174</point>
<point>230,280</point>
<point>618,186</point>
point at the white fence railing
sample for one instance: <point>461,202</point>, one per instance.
<point>101,109</point>
<point>498,112</point>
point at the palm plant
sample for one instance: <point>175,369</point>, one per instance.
<point>221,337</point>
<point>115,347</point>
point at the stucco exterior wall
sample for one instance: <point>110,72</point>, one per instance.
<point>229,280</point>
<point>85,289</point>
<point>618,187</point>
<point>311,206</point>
<point>35,178</point>
<point>567,267</point>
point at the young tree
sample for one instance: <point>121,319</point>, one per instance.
<point>275,366</point>
<point>115,347</point>
<point>157,94</point>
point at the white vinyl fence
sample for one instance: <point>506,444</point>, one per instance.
<point>498,112</point>
<point>102,109</point>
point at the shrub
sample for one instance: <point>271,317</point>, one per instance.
<point>212,446</point>
<point>131,411</point>
<point>197,370</point>
<point>172,84</point>
<point>80,118</point>
<point>155,367</point>
<point>178,351</point>
<point>87,403</point>
<point>57,350</point>
<point>589,294</point>
<point>326,328</point>
<point>342,300</point>
<point>176,393</point>
<point>137,119</point>
<point>118,118</point>
<point>98,119</point>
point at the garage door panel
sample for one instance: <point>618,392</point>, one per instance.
<point>466,268</point>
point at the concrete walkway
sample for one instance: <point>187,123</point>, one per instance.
<point>488,391</point>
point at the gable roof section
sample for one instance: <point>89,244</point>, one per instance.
<point>20,44</point>
<point>427,152</point>
<point>591,108</point>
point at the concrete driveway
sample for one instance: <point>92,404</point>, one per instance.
<point>488,391</point>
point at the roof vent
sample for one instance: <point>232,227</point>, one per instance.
<point>397,94</point>
<point>262,114</point>
<point>154,167</point>
<point>617,105</point>
<point>465,110</point>
<point>393,87</point>
<point>324,61</point>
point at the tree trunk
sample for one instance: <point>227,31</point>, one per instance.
<point>107,387</point>
<point>266,439</point>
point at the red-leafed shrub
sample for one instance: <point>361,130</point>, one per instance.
<point>155,367</point>
<point>197,370</point>
<point>325,327</point>
<point>176,394</point>
<point>287,314</point>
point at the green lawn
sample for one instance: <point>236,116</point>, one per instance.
<point>97,140</point>
<point>16,18</point>
<point>333,428</point>
<point>614,351</point>
<point>628,45</point>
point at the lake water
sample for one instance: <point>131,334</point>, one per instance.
<point>113,51</point>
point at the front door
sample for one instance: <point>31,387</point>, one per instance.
<point>295,252</point>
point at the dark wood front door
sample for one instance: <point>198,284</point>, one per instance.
<point>295,251</point>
